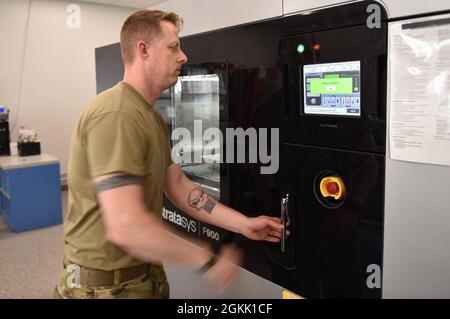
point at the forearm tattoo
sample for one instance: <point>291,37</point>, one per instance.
<point>200,200</point>
<point>117,181</point>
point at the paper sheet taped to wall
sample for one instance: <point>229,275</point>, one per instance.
<point>419,126</point>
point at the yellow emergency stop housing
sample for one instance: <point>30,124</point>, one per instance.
<point>332,186</point>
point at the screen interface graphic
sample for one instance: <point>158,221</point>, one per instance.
<point>332,88</point>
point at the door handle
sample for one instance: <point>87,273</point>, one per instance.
<point>285,220</point>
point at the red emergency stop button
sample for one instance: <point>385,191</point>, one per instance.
<point>332,186</point>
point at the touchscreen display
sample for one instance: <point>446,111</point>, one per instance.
<point>332,88</point>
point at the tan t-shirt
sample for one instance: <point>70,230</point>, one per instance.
<point>117,132</point>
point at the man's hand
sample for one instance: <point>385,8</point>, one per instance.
<point>263,228</point>
<point>224,272</point>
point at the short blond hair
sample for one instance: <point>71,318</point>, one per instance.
<point>143,25</point>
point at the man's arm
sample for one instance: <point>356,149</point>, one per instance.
<point>191,199</point>
<point>130,225</point>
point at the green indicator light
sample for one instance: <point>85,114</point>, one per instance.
<point>301,48</point>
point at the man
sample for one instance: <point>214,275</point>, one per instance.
<point>119,166</point>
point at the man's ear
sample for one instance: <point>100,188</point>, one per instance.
<point>142,48</point>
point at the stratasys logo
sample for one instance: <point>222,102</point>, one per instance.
<point>188,224</point>
<point>326,125</point>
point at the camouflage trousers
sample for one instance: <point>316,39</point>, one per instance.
<point>151,285</point>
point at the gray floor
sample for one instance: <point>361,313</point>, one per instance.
<point>30,263</point>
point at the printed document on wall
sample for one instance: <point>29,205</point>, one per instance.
<point>419,127</point>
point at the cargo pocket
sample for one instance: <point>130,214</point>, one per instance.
<point>109,293</point>
<point>159,281</point>
<point>63,291</point>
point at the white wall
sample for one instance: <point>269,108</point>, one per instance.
<point>396,8</point>
<point>58,77</point>
<point>291,6</point>
<point>416,254</point>
<point>205,15</point>
<point>401,8</point>
<point>13,16</point>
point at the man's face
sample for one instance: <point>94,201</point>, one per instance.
<point>165,57</point>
